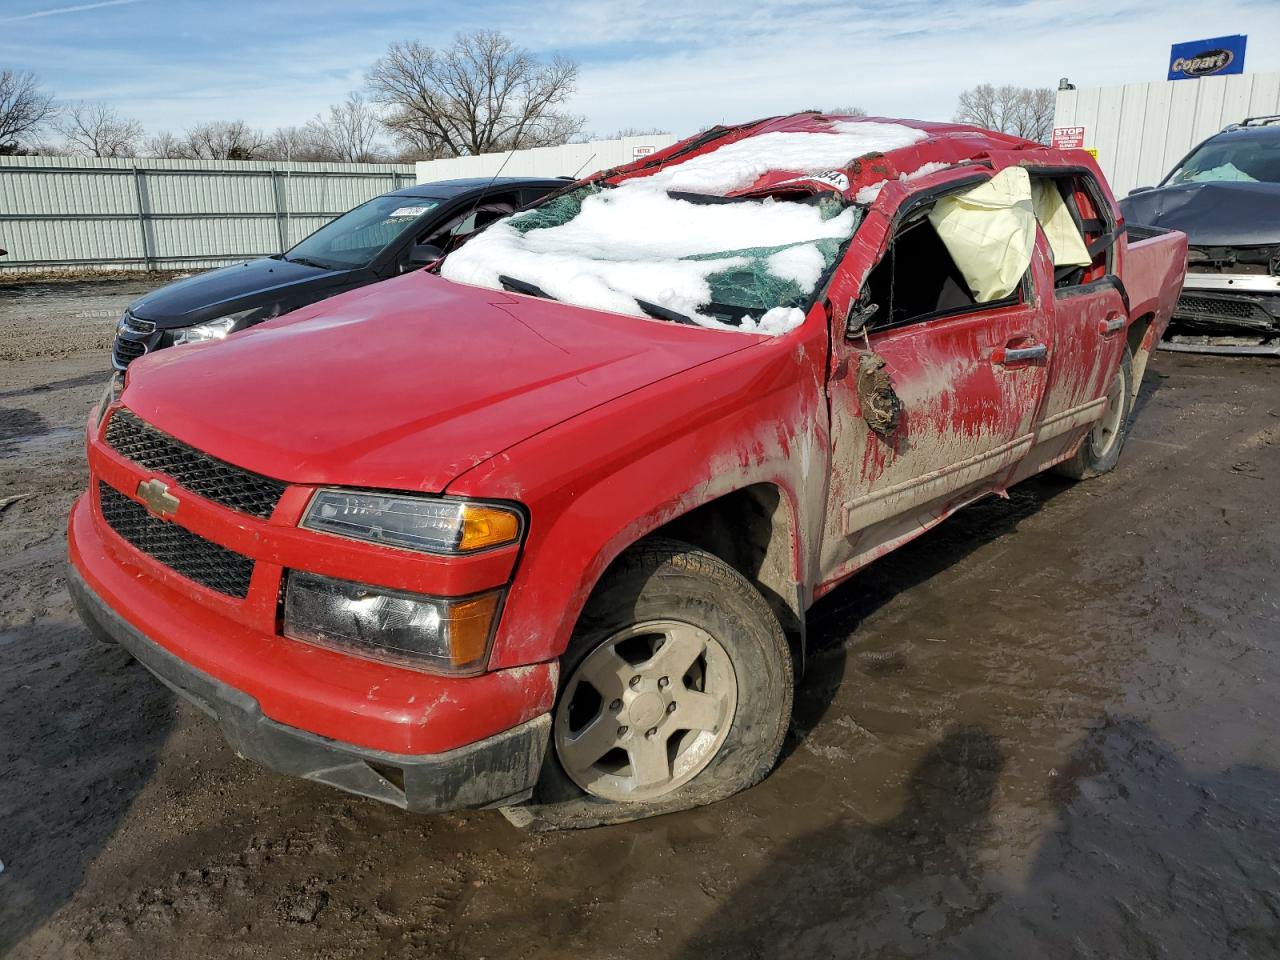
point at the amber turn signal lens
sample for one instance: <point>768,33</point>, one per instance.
<point>470,627</point>
<point>486,526</point>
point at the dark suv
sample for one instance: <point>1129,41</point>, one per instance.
<point>1225,196</point>
<point>379,239</point>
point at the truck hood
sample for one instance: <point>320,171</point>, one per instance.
<point>1211,214</point>
<point>405,384</point>
<point>228,289</point>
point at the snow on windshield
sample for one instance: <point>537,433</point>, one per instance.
<point>748,265</point>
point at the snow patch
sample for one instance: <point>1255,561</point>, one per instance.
<point>635,241</point>
<point>736,166</point>
<point>867,195</point>
<point>803,264</point>
<point>923,171</point>
<point>777,321</point>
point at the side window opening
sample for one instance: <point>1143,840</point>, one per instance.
<point>1082,252</point>
<point>968,250</point>
<point>916,277</point>
<point>458,230</point>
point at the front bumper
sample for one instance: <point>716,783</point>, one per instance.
<point>135,337</point>
<point>1226,315</point>
<point>497,771</point>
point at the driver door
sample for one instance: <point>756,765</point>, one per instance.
<point>969,378</point>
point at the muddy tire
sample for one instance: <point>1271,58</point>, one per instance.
<point>675,691</point>
<point>1100,450</point>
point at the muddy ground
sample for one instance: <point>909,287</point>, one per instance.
<point>1047,729</point>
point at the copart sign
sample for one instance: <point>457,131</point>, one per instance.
<point>1206,58</point>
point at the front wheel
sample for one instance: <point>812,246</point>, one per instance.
<point>1100,450</point>
<point>676,690</point>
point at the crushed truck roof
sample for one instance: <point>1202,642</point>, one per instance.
<point>944,144</point>
<point>733,229</point>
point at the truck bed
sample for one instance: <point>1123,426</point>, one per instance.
<point>1154,265</point>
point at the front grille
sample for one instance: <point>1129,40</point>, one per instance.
<point>135,325</point>
<point>124,352</point>
<point>1222,308</point>
<point>176,547</point>
<point>200,473</point>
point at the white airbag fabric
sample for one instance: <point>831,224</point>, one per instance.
<point>1059,229</point>
<point>990,232</point>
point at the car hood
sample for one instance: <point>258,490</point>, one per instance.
<point>1211,214</point>
<point>405,384</point>
<point>228,289</point>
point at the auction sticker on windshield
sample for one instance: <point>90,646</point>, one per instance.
<point>407,212</point>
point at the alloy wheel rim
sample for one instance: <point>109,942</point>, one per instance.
<point>1106,431</point>
<point>646,711</point>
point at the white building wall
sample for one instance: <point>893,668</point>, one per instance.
<point>1141,130</point>
<point>570,160</point>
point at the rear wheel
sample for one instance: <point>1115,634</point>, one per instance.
<point>676,689</point>
<point>1100,450</point>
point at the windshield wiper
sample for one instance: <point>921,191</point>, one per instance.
<point>662,313</point>
<point>308,262</point>
<point>512,285</point>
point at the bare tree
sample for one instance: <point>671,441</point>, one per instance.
<point>349,133</point>
<point>481,95</point>
<point>294,143</point>
<point>845,112</point>
<point>165,146</point>
<point>24,108</point>
<point>1022,111</point>
<point>224,140</point>
<point>98,129</point>
<point>634,132</point>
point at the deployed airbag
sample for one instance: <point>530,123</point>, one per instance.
<point>1059,229</point>
<point>990,232</point>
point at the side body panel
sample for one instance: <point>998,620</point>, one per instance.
<point>966,417</point>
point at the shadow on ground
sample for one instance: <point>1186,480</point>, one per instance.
<point>835,619</point>
<point>74,755</point>
<point>1147,859</point>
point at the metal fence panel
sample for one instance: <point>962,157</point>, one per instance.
<point>59,213</point>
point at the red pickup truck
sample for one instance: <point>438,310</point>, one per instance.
<point>537,527</point>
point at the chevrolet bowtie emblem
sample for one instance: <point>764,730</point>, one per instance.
<point>155,494</point>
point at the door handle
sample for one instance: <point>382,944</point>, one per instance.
<point>1110,325</point>
<point>1007,355</point>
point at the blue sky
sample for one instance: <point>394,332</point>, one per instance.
<point>673,64</point>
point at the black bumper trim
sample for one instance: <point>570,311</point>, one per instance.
<point>497,771</point>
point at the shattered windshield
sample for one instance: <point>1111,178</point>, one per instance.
<point>677,246</point>
<point>747,264</point>
<point>1232,161</point>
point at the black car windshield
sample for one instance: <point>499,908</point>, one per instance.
<point>359,235</point>
<point>1243,160</point>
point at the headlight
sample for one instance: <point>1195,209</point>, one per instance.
<point>215,329</point>
<point>110,394</point>
<point>428,524</point>
<point>433,633</point>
